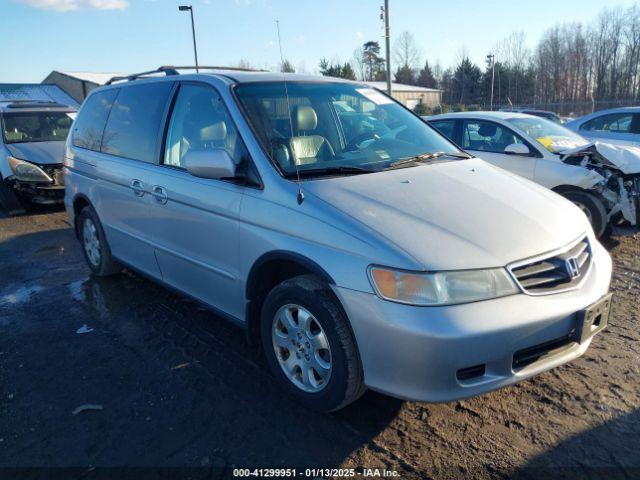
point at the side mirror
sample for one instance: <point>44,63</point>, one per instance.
<point>517,149</point>
<point>213,164</point>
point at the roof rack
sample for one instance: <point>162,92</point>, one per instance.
<point>171,70</point>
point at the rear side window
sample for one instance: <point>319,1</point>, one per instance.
<point>134,122</point>
<point>89,126</point>
<point>445,127</point>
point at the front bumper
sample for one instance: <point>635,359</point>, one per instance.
<point>418,353</point>
<point>41,193</point>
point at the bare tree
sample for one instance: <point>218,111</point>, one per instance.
<point>406,53</point>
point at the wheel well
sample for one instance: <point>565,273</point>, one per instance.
<point>79,203</point>
<point>560,189</point>
<point>267,272</point>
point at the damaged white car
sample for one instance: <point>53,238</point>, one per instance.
<point>602,179</point>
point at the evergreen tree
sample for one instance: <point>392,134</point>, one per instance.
<point>287,67</point>
<point>372,62</point>
<point>405,75</point>
<point>426,78</point>
<point>467,86</point>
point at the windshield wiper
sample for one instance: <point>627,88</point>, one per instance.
<point>334,170</point>
<point>423,157</point>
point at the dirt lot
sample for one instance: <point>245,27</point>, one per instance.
<point>180,390</point>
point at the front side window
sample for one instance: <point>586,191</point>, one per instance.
<point>24,127</point>
<point>487,136</point>
<point>614,122</point>
<point>89,126</point>
<point>134,122</point>
<point>200,121</point>
<point>322,125</point>
<point>554,137</point>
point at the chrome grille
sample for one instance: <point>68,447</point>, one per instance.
<point>558,272</point>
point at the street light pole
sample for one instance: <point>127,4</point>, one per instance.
<point>184,8</point>
<point>493,75</point>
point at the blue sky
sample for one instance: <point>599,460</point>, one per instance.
<point>132,35</point>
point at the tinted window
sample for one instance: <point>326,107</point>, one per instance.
<point>614,122</point>
<point>200,121</point>
<point>132,128</point>
<point>487,136</point>
<point>88,127</point>
<point>445,127</point>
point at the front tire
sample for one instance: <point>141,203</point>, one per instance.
<point>592,207</point>
<point>10,201</point>
<point>309,345</point>
<point>95,247</point>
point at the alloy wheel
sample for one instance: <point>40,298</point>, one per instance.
<point>302,348</point>
<point>91,242</point>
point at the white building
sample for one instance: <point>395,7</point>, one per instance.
<point>411,95</point>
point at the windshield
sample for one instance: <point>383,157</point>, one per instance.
<point>554,137</point>
<point>336,126</point>
<point>26,127</point>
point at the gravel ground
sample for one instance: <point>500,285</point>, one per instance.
<point>181,391</point>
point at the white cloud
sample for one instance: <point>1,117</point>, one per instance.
<point>359,34</point>
<point>70,5</point>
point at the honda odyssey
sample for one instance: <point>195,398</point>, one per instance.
<point>359,245</point>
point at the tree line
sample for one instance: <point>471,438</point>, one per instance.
<point>574,67</point>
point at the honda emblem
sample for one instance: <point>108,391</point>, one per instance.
<point>572,267</point>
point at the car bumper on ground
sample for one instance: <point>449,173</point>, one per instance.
<point>438,354</point>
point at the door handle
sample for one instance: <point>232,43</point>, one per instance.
<point>138,187</point>
<point>160,194</point>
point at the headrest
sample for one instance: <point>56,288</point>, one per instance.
<point>214,133</point>
<point>487,130</point>
<point>304,118</point>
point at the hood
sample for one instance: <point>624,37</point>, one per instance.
<point>456,215</point>
<point>624,157</point>
<point>41,153</point>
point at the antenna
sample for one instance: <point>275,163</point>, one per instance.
<point>286,94</point>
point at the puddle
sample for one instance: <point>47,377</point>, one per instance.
<point>89,292</point>
<point>20,295</point>
<point>76,290</point>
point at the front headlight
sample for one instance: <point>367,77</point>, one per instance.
<point>27,172</point>
<point>441,288</point>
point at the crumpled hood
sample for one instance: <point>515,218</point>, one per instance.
<point>41,153</point>
<point>625,157</point>
<point>456,215</point>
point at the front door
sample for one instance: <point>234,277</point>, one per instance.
<point>195,220</point>
<point>487,140</point>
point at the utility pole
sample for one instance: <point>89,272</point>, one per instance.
<point>492,59</point>
<point>387,37</point>
<point>184,8</point>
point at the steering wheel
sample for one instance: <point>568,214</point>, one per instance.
<point>358,139</point>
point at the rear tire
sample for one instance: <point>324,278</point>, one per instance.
<point>592,207</point>
<point>95,247</point>
<point>309,345</point>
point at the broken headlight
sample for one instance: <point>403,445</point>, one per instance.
<point>441,288</point>
<point>27,172</point>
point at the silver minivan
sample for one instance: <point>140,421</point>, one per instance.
<point>362,247</point>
